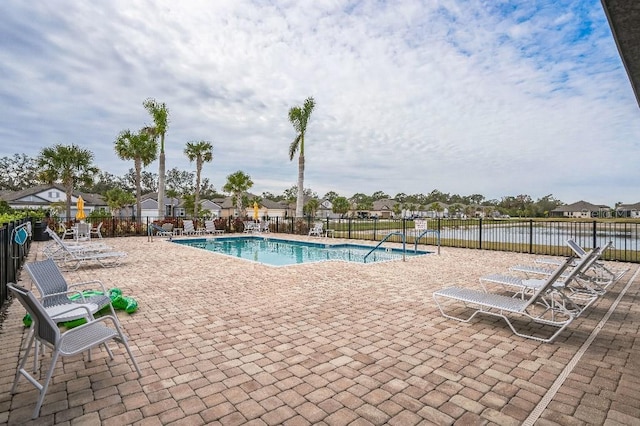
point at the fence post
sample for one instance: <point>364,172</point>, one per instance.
<point>480,234</point>
<point>349,228</point>
<point>530,236</point>
<point>595,242</point>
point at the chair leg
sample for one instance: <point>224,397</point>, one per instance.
<point>23,361</point>
<point>45,385</point>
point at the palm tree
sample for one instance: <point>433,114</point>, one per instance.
<point>237,184</point>
<point>299,117</point>
<point>160,115</point>
<point>312,207</point>
<point>68,164</point>
<point>142,149</point>
<point>200,152</point>
<point>117,198</point>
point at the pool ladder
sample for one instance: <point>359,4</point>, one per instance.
<point>427,231</point>
<point>404,245</point>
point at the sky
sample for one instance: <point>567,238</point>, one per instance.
<point>492,97</point>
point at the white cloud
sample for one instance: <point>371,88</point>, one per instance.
<point>499,98</point>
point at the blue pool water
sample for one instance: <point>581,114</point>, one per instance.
<point>277,252</point>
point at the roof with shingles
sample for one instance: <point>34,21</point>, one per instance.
<point>624,20</point>
<point>89,199</point>
<point>580,206</point>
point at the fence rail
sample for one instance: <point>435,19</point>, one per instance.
<point>521,236</point>
<point>12,256</point>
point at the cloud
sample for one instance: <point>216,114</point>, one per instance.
<point>497,98</point>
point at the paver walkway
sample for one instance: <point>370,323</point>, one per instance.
<point>225,341</point>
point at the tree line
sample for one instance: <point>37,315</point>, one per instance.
<point>72,166</point>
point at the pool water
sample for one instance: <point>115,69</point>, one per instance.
<point>276,252</point>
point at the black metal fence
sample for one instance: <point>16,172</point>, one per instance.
<point>13,252</point>
<point>544,237</point>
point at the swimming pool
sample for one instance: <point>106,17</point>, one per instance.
<point>276,252</point>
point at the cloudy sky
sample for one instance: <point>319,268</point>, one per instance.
<point>492,97</point>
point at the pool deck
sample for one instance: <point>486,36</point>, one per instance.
<point>225,341</point>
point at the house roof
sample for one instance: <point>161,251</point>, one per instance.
<point>624,20</point>
<point>580,206</point>
<point>635,206</point>
<point>89,199</point>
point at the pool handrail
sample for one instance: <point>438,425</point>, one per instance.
<point>404,245</point>
<point>427,231</point>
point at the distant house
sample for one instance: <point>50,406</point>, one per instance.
<point>383,208</point>
<point>48,197</point>
<point>628,210</point>
<point>581,210</point>
<point>268,208</point>
<point>174,206</point>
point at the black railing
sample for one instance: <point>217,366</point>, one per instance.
<point>13,252</point>
<point>542,237</point>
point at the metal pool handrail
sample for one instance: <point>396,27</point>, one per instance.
<point>404,246</point>
<point>427,231</point>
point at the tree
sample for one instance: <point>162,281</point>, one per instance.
<point>117,198</point>
<point>200,152</point>
<point>331,195</point>
<point>68,164</point>
<point>299,118</point>
<point>312,207</point>
<point>340,205</point>
<point>160,115</point>
<point>103,182</point>
<point>140,148</point>
<point>18,172</point>
<point>237,184</point>
<point>180,181</point>
<point>379,195</point>
<point>148,181</point>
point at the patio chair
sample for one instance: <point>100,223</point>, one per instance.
<point>189,228</point>
<point>603,273</point>
<point>72,342</point>
<point>210,228</point>
<point>317,229</point>
<point>264,226</point>
<point>581,293</point>
<point>161,231</point>
<point>82,232</point>
<point>55,293</point>
<point>96,230</point>
<point>56,248</point>
<point>250,226</point>
<point>536,308</point>
<point>74,256</point>
<point>597,273</point>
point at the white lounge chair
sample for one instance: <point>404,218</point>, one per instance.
<point>541,307</point>
<point>189,228</point>
<point>602,272</point>
<point>57,248</point>
<point>317,229</point>
<point>210,228</point>
<point>251,226</point>
<point>581,292</point>
<point>72,342</point>
<point>597,274</point>
<point>97,230</point>
<point>73,256</point>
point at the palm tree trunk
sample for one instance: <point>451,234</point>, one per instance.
<point>300,197</point>
<point>161,182</point>
<point>197,197</point>
<point>138,165</point>
<point>68,188</point>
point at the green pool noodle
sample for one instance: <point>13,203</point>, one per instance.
<point>127,304</point>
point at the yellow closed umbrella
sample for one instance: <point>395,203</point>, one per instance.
<point>255,210</point>
<point>80,206</point>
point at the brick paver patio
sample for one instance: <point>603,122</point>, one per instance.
<point>225,341</point>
